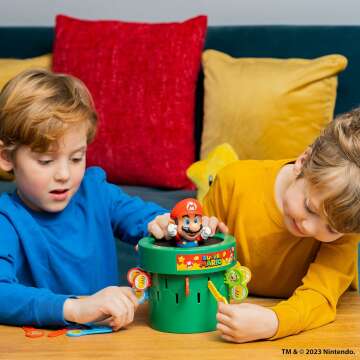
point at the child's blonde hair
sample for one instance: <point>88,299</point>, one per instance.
<point>333,170</point>
<point>38,106</point>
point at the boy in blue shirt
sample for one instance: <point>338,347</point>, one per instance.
<point>57,230</point>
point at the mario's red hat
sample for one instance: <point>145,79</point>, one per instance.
<point>186,207</point>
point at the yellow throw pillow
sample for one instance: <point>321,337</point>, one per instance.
<point>267,108</point>
<point>204,171</point>
<point>11,67</point>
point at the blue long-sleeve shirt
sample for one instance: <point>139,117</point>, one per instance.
<point>47,257</point>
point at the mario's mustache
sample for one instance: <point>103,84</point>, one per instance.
<point>188,231</point>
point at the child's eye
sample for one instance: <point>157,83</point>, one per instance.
<point>44,162</point>
<point>77,159</point>
<point>307,208</point>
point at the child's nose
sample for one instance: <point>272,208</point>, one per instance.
<point>62,173</point>
<point>309,227</point>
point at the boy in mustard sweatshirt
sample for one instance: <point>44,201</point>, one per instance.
<point>297,226</point>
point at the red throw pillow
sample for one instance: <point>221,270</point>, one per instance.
<point>143,79</point>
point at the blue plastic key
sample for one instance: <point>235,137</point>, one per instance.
<point>94,330</point>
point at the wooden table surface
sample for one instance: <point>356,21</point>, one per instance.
<point>139,341</point>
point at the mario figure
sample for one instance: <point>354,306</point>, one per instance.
<point>186,224</point>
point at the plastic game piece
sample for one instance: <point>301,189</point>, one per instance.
<point>215,292</point>
<point>237,278</point>
<point>32,332</point>
<point>56,333</point>
<point>179,298</point>
<point>187,286</point>
<point>91,331</point>
<point>238,292</point>
<point>140,281</point>
<point>142,296</point>
<point>185,225</point>
<point>132,273</point>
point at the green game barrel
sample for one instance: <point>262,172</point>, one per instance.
<point>171,307</point>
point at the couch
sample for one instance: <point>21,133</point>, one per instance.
<point>238,41</point>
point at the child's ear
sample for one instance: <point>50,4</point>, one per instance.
<point>6,163</point>
<point>299,163</point>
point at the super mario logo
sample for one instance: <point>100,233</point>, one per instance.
<point>185,262</point>
<point>213,260</point>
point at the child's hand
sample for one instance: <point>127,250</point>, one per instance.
<point>159,226</point>
<point>214,224</point>
<point>246,322</point>
<point>113,306</point>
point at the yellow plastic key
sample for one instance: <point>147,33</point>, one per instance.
<point>215,292</point>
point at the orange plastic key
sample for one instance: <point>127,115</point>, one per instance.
<point>32,332</point>
<point>57,332</point>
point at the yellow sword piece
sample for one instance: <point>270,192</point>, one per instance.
<point>215,292</point>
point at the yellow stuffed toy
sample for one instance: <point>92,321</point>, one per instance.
<point>202,173</point>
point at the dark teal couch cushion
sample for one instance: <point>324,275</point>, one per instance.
<point>24,42</point>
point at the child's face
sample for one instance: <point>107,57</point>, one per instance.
<point>301,213</point>
<point>47,181</point>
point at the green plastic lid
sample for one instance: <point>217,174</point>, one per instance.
<point>186,261</point>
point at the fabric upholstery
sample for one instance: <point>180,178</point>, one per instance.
<point>267,108</point>
<point>143,83</point>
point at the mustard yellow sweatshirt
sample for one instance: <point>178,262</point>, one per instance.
<point>311,275</point>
